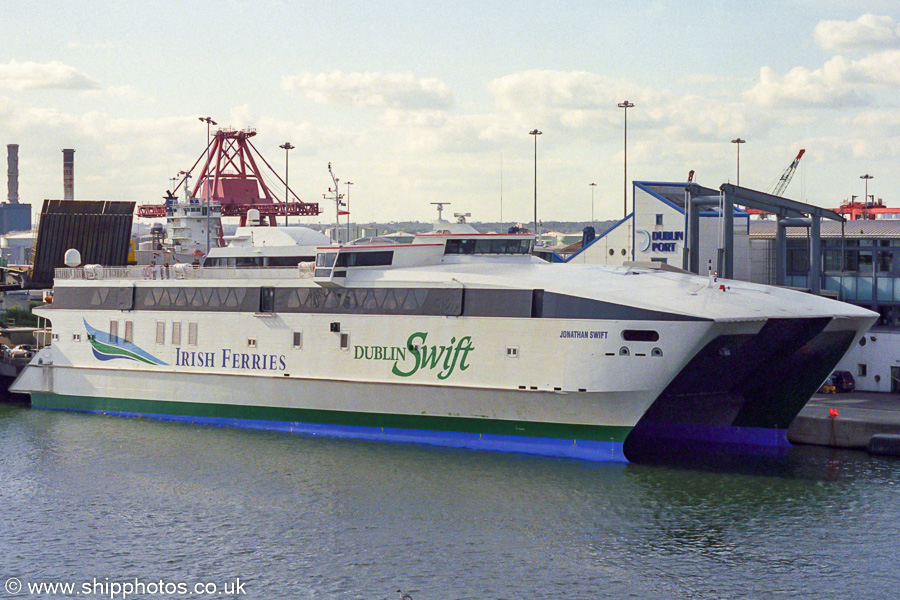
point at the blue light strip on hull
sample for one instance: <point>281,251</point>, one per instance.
<point>565,448</point>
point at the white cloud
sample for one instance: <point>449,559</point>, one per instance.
<point>389,90</point>
<point>579,102</point>
<point>868,32</point>
<point>21,76</point>
<point>826,86</point>
<point>880,68</point>
<point>839,82</point>
<point>123,92</point>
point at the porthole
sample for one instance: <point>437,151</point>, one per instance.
<point>612,252</point>
<point>623,251</point>
<point>656,352</point>
<point>623,351</point>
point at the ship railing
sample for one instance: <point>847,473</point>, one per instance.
<point>183,271</point>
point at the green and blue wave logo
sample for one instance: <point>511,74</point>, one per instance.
<point>109,347</point>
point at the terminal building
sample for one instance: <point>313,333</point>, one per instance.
<point>800,246</point>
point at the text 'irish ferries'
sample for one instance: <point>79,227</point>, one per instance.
<point>417,355</point>
<point>230,360</point>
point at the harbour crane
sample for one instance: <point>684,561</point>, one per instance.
<point>785,178</point>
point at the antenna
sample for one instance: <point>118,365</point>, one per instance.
<point>441,206</point>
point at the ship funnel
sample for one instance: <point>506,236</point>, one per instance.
<point>12,173</point>
<point>68,174</point>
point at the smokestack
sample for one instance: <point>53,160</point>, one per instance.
<point>68,174</point>
<point>12,173</point>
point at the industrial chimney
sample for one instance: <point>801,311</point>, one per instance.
<point>68,174</point>
<point>12,173</point>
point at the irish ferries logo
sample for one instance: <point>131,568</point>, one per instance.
<point>109,347</point>
<point>418,355</point>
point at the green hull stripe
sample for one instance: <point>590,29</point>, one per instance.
<point>598,433</point>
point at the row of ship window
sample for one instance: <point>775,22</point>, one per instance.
<point>176,329</point>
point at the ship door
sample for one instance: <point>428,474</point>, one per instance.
<point>895,380</point>
<point>266,299</point>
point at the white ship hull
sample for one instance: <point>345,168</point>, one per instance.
<point>551,359</point>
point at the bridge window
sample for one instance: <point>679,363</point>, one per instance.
<point>325,259</point>
<point>365,259</point>
<point>488,246</point>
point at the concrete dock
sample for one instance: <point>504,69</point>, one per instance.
<point>846,420</point>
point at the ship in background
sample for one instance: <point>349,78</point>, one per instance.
<point>229,183</point>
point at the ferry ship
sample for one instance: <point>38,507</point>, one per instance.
<point>457,339</point>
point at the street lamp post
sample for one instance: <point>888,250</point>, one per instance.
<point>208,121</point>
<point>626,105</point>
<point>286,147</point>
<point>349,183</point>
<point>593,185</point>
<point>738,142</point>
<point>535,133</point>
<point>866,177</point>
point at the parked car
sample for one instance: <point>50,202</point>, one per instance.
<point>22,351</point>
<point>843,381</point>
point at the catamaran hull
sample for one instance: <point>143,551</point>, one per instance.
<point>721,395</point>
<point>513,421</point>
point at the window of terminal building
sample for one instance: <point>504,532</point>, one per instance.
<point>865,260</point>
<point>798,259</point>
<point>861,370</point>
<point>659,220</point>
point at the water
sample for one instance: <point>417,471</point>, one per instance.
<point>102,499</point>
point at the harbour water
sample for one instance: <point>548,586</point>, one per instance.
<point>98,501</point>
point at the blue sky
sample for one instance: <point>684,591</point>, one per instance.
<point>424,102</point>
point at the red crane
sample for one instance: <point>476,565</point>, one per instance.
<point>233,180</point>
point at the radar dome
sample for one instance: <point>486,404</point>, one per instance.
<point>72,258</point>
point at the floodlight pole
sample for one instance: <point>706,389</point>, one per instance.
<point>208,121</point>
<point>535,133</point>
<point>286,147</point>
<point>738,142</point>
